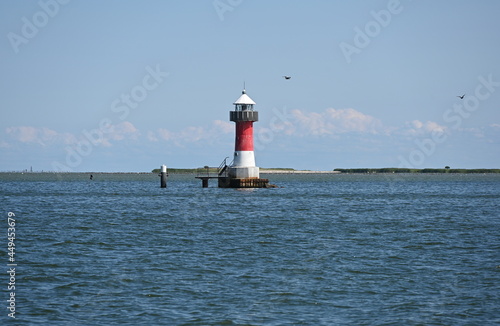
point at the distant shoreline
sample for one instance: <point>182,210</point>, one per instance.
<point>426,170</point>
<point>337,171</point>
<point>297,172</point>
<point>288,171</point>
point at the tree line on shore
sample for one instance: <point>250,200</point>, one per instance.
<point>426,170</point>
<point>210,170</point>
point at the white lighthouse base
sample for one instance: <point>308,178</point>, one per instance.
<point>243,172</point>
<point>244,159</point>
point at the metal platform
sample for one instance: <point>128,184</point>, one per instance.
<point>224,180</point>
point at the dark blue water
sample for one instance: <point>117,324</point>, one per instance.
<point>321,250</point>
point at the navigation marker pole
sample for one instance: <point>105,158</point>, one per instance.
<point>163,175</point>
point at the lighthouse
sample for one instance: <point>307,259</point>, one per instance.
<point>244,158</point>
<point>242,172</point>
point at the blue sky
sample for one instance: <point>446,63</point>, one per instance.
<point>130,85</point>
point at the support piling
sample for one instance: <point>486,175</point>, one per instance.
<point>163,176</point>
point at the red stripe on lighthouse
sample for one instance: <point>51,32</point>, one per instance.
<point>244,136</point>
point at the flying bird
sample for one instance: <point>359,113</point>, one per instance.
<point>287,77</point>
<point>461,97</point>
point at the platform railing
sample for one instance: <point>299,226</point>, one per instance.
<point>223,167</point>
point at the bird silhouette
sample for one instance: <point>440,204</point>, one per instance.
<point>287,77</point>
<point>461,97</point>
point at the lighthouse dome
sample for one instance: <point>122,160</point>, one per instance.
<point>244,99</point>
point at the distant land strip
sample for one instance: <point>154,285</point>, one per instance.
<point>426,170</point>
<point>262,171</point>
<point>286,171</point>
<point>335,171</point>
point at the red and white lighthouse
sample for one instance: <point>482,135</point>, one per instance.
<point>244,116</point>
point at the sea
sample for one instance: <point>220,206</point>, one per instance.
<point>319,249</point>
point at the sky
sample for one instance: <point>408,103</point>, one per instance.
<point>126,86</point>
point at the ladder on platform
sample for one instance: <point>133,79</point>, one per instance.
<point>223,167</point>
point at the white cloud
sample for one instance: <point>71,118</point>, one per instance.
<point>334,122</point>
<point>164,134</point>
<point>4,144</point>
<point>27,134</point>
<point>192,134</point>
<point>490,133</point>
<point>152,136</point>
<point>67,138</point>
<point>23,134</point>
<point>123,130</point>
<point>223,126</point>
<point>417,128</point>
<point>45,136</point>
